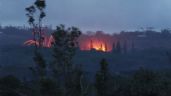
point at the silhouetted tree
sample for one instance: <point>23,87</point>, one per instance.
<point>91,44</point>
<point>103,79</point>
<point>106,49</point>
<point>37,26</point>
<point>40,65</point>
<point>80,84</point>
<point>118,47</point>
<point>37,34</point>
<point>125,47</point>
<point>165,31</point>
<point>36,23</point>
<point>49,87</point>
<point>114,47</point>
<point>64,47</point>
<point>145,83</point>
<point>132,46</point>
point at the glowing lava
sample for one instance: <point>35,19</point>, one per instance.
<point>103,44</point>
<point>31,42</point>
<point>99,46</point>
<point>46,42</point>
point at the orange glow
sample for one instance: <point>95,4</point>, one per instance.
<point>98,41</point>
<point>97,45</point>
<point>47,42</point>
<point>88,43</point>
<point>31,42</point>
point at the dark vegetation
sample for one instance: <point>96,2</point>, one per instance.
<point>141,83</point>
<point>59,76</point>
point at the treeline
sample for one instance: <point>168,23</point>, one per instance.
<point>60,77</point>
<point>142,83</point>
<point>21,30</point>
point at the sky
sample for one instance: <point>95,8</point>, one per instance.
<point>92,15</point>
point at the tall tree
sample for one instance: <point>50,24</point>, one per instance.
<point>113,47</point>
<point>105,45</point>
<point>103,79</point>
<point>36,24</point>
<point>118,47</point>
<point>77,85</point>
<point>64,47</point>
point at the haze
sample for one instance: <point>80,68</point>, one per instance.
<point>107,15</point>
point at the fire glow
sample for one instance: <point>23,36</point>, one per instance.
<point>100,46</point>
<point>95,45</point>
<point>46,42</point>
<point>96,42</point>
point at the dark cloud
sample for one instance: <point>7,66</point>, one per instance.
<point>108,15</point>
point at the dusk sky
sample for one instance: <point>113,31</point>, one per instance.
<point>107,15</point>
